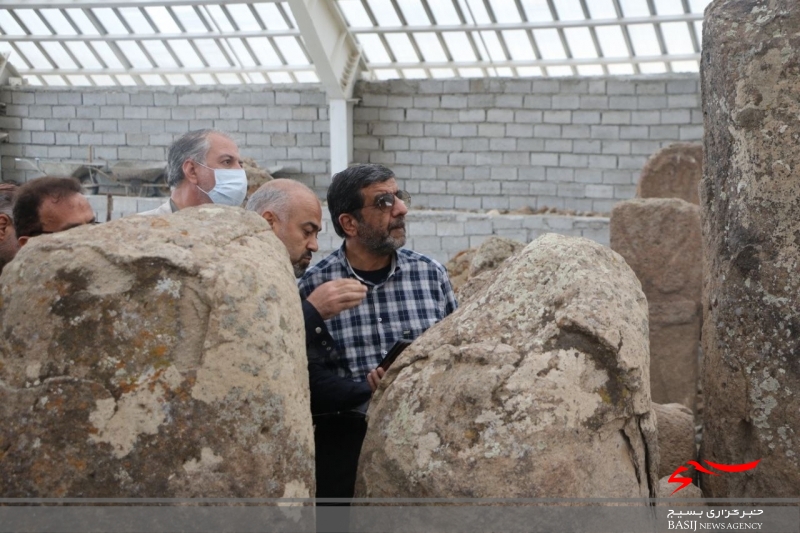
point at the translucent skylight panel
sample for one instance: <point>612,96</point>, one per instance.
<point>698,6</point>
<point>401,48</point>
<point>557,72</point>
<point>529,71</point>
<point>601,9</point>
<point>685,66</point>
<point>414,73</point>
<point>478,11</point>
<point>440,73</point>
<point>580,42</point>
<point>162,19</point>
<point>82,21</point>
<point>257,77</point>
<point>355,14</point>
<point>505,72</point>
<point>229,79</point>
<point>549,44</point>
<point>289,14</point>
<point>221,22</point>
<point>657,67</point>
<point>643,39</point>
<point>429,45</point>
<point>59,55</point>
<point>32,22</point>
<point>386,74</point>
<point>264,51</point>
<point>470,72</point>
<point>124,79</point>
<point>106,54</point>
<point>189,19</point>
<point>57,21</point>
<point>211,52</point>
<point>414,13</point>
<point>177,79</point>
<point>290,49</point>
<point>698,30</point>
<point>677,38</point>
<point>34,56</point>
<point>668,7</point>
<point>9,25</point>
<point>384,13</point>
<point>186,54</point>
<point>136,20</point>
<point>34,80</point>
<point>306,76</point>
<point>17,58</point>
<point>78,80</point>
<point>85,56</point>
<point>505,12</point>
<point>103,80</point>
<point>203,79</point>
<point>158,51</point>
<point>493,46</point>
<point>590,70</point>
<point>243,17</point>
<point>241,53</point>
<point>518,44</point>
<point>271,16</point>
<point>109,20</point>
<point>373,48</point>
<point>280,77</point>
<point>537,10</point>
<point>634,8</point>
<point>612,41</point>
<point>134,54</point>
<point>152,79</point>
<point>569,9</point>
<point>56,81</point>
<point>458,44</point>
<point>444,12</point>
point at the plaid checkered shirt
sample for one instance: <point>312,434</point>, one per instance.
<point>416,295</point>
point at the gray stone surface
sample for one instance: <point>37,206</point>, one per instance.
<point>537,387</point>
<point>749,194</point>
<point>155,357</point>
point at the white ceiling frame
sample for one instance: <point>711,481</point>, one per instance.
<point>544,62</point>
<point>88,4</point>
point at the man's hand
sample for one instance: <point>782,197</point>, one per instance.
<point>374,378</point>
<point>333,297</point>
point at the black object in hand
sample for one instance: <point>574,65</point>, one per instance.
<point>396,350</point>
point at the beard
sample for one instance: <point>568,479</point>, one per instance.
<point>380,241</point>
<point>301,265</point>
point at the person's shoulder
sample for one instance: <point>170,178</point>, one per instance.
<point>410,256</point>
<point>327,264</point>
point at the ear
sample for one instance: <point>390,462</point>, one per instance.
<point>349,224</point>
<point>189,171</point>
<point>270,217</point>
<point>5,226</point>
<point>22,241</point>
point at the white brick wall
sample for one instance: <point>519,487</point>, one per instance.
<point>438,234</point>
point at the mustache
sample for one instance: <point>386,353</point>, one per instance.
<point>400,224</point>
<point>306,255</point>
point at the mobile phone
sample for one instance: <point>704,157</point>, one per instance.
<point>396,350</point>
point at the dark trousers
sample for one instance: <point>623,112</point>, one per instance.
<point>338,439</point>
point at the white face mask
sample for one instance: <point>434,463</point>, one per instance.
<point>230,187</point>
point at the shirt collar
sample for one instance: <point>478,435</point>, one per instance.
<point>397,260</point>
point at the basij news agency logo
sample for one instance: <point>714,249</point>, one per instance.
<point>684,481</point>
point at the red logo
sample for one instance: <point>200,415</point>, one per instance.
<point>674,478</point>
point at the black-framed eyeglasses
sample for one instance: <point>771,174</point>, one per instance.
<point>385,202</point>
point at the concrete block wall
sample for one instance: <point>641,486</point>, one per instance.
<point>440,234</point>
<point>566,143</point>
<point>285,125</point>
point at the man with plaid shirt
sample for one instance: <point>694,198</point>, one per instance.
<point>406,294</point>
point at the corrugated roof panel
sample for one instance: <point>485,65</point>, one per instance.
<point>87,59</point>
<point>264,51</point>
<point>106,54</point>
<point>590,70</point>
<point>354,13</point>
<point>373,48</point>
<point>158,51</point>
<point>136,19</point>
<point>580,43</point>
<point>519,45</point>
<point>414,13</point>
<point>677,38</point>
<point>78,16</point>
<point>291,50</point>
<point>643,38</point>
<point>443,11</point>
<point>459,46</point>
<point>401,48</point>
<point>57,21</point>
<point>634,8</point>
<point>384,13</point>
<point>505,12</point>
<point>537,11</point>
<point>653,68</point>
<point>549,44</point>
<point>441,73</point>
<point>109,20</point>
<point>569,9</point>
<point>186,54</point>
<point>59,55</point>
<point>414,73</point>
<point>429,45</point>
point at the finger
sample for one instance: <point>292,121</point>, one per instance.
<point>381,372</point>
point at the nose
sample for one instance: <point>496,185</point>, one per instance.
<point>399,208</point>
<point>312,245</point>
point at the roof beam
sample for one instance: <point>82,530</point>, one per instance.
<point>86,4</point>
<point>336,57</point>
<point>544,62</point>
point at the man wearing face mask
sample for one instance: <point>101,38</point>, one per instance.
<point>203,167</point>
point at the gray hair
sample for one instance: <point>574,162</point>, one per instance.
<point>7,191</point>
<point>193,145</point>
<point>275,196</point>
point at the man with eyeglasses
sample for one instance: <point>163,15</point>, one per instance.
<point>407,293</point>
<point>49,205</point>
